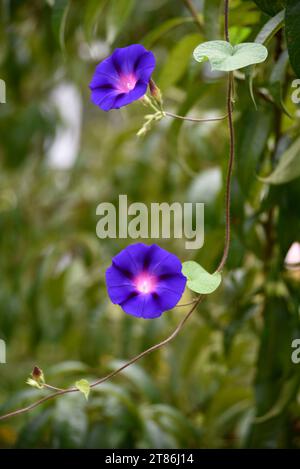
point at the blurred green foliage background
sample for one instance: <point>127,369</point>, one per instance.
<point>61,157</point>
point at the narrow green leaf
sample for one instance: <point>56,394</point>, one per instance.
<point>288,167</point>
<point>117,16</point>
<point>211,10</point>
<point>225,57</point>
<point>269,30</point>
<point>274,368</point>
<point>277,80</point>
<point>178,61</point>
<point>292,23</point>
<point>288,392</point>
<point>92,14</point>
<point>199,280</point>
<point>253,131</point>
<point>264,36</point>
<point>153,36</point>
<point>250,76</point>
<point>59,17</point>
<point>84,387</point>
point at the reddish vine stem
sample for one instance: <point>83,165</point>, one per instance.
<point>229,175</point>
<point>113,373</point>
<point>60,392</point>
<point>231,151</point>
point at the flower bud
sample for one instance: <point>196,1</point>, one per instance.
<point>37,379</point>
<point>36,373</point>
<point>155,92</point>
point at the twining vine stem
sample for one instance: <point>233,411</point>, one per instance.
<point>59,392</point>
<point>231,150</point>
<point>229,173</point>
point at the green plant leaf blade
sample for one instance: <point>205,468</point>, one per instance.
<point>60,12</point>
<point>199,280</point>
<point>226,58</point>
<point>178,61</point>
<point>269,30</point>
<point>288,167</point>
<point>118,14</point>
<point>156,34</point>
<point>84,387</point>
<point>211,10</point>
<point>288,391</point>
<point>265,35</point>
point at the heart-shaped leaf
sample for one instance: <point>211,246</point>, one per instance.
<point>199,280</point>
<point>84,387</point>
<point>226,58</point>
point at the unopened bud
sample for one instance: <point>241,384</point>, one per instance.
<point>36,372</point>
<point>155,92</point>
<point>37,379</point>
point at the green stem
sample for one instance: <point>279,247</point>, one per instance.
<point>195,119</point>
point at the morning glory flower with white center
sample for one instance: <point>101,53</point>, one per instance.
<point>145,280</point>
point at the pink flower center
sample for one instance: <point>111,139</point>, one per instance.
<point>145,283</point>
<point>127,83</point>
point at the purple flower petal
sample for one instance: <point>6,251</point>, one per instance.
<point>146,306</point>
<point>145,280</point>
<point>122,78</point>
<point>120,295</point>
<point>127,98</point>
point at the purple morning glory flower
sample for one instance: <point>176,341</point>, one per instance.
<point>145,280</point>
<point>122,78</point>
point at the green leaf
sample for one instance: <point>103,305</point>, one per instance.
<point>117,16</point>
<point>239,34</point>
<point>253,130</point>
<point>199,280</point>
<point>288,392</point>
<point>59,17</point>
<point>225,57</point>
<point>292,22</point>
<point>94,9</point>
<point>84,387</point>
<point>153,36</point>
<point>274,370</point>
<point>277,79</point>
<point>269,30</point>
<point>211,10</point>
<point>288,167</point>
<point>271,7</point>
<point>177,62</point>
